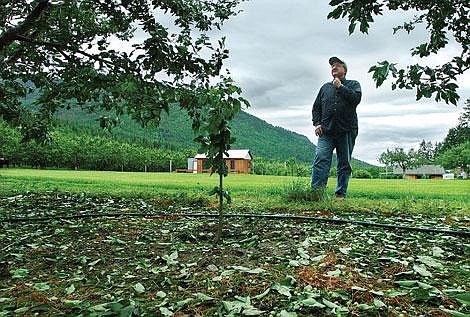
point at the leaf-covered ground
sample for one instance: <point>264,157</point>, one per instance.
<point>168,265</point>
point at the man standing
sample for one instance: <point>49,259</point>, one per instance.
<point>334,118</point>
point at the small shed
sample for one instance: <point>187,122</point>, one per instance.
<point>238,161</point>
<point>424,171</point>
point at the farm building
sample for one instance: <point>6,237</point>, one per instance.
<point>424,171</point>
<point>238,161</point>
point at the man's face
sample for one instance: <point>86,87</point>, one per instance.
<point>337,70</point>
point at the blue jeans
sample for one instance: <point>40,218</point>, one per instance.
<point>344,144</point>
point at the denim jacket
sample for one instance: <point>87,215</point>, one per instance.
<point>335,108</point>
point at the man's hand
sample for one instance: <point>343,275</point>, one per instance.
<point>337,82</point>
<point>318,131</point>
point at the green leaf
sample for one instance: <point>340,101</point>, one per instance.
<point>330,304</point>
<point>343,294</point>
<point>395,293</point>
<point>94,262</point>
<point>431,262</point>
<point>203,297</point>
<point>294,263</point>
<point>464,298</point>
<point>454,312</point>
<point>42,286</point>
<point>263,294</point>
<point>311,302</point>
<point>364,26</point>
<point>127,311</point>
<point>116,307</point>
<point>406,283</point>
<point>252,311</point>
<point>378,303</point>
<point>214,191</point>
<point>74,302</point>
<point>437,252</point>
<point>364,307</point>
<point>335,273</point>
<point>381,72</point>
<point>288,281</point>
<point>236,307</point>
<point>285,313</point>
<point>69,290</point>
<point>165,311</point>
<point>378,293</point>
<point>303,254</point>
<point>99,308</point>
<point>183,303</point>
<point>351,28</point>
<point>19,273</point>
<point>139,288</point>
<point>248,270</point>
<point>318,258</point>
<point>42,308</point>
<point>421,270</point>
<point>161,294</point>
<point>230,306</point>
<point>335,308</point>
<point>227,197</point>
<point>171,259</point>
<point>335,2</point>
<point>281,289</point>
<point>21,310</point>
<point>425,286</point>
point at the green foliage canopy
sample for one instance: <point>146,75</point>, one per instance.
<point>82,151</point>
<point>444,21</point>
<point>114,56</point>
<point>426,153</point>
<point>398,157</point>
<point>460,133</point>
<point>458,156</point>
<point>455,150</point>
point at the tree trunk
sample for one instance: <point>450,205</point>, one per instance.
<point>221,211</point>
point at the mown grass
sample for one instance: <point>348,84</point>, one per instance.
<point>250,191</point>
<point>169,266</point>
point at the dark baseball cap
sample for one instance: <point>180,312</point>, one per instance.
<point>335,59</point>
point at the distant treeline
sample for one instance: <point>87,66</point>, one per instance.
<point>82,151</point>
<point>71,149</point>
<point>293,167</point>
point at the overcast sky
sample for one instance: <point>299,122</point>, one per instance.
<point>279,54</point>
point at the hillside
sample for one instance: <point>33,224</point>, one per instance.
<point>263,139</point>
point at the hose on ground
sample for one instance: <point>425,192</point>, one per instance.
<point>338,221</point>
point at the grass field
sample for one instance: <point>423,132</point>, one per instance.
<point>248,191</point>
<point>169,266</point>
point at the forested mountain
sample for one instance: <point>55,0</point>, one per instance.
<point>174,133</point>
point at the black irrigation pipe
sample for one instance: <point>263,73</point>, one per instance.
<point>338,221</point>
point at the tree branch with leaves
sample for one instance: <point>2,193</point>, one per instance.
<point>444,20</point>
<point>107,55</point>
